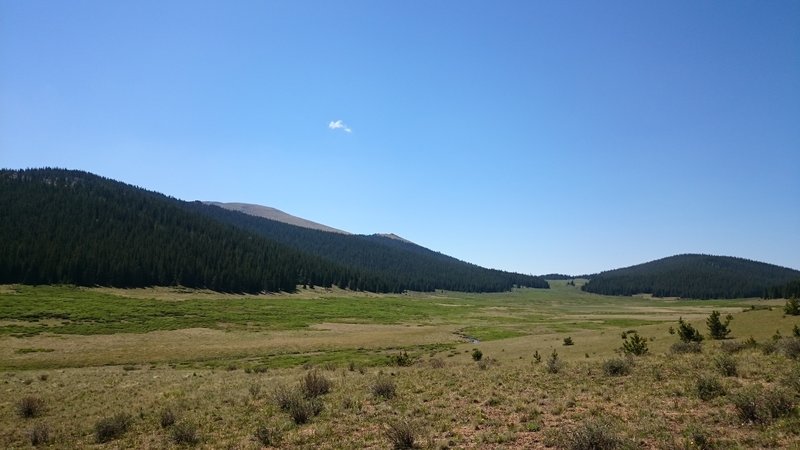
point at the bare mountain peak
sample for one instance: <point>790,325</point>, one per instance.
<point>394,236</point>
<point>275,214</point>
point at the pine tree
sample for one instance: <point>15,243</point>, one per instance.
<point>716,328</point>
<point>687,332</point>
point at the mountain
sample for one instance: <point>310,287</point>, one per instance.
<point>693,276</point>
<point>72,227</point>
<point>400,263</point>
<point>274,214</point>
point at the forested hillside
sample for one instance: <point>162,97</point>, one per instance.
<point>693,276</point>
<point>60,226</point>
<point>399,263</point>
<point>788,290</point>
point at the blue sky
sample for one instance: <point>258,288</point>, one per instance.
<point>531,136</point>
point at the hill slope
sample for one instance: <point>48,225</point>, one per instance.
<point>693,276</point>
<point>71,227</point>
<point>396,261</point>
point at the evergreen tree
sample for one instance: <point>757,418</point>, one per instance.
<point>716,328</point>
<point>688,333</point>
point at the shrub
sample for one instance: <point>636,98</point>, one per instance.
<point>110,428</point>
<point>792,307</point>
<point>731,347</point>
<point>796,331</point>
<point>686,347</point>
<point>39,434</point>
<point>726,365</point>
<point>384,386</point>
<point>537,357</point>
<point>185,433</point>
<point>315,384</point>
<point>688,333</point>
<point>634,344</point>
<point>568,341</point>
<point>617,366</point>
<point>716,327</point>
<point>790,347</point>
<point>30,406</point>
<point>401,434</point>
<point>476,354</point>
<point>255,390</point>
<point>167,418</point>
<point>284,396</point>
<point>709,387</point>
<point>401,359</point>
<point>593,435</point>
<point>44,376</point>
<point>757,404</point>
<point>301,410</point>
<point>437,363</point>
<point>554,364</point>
<point>269,436</point>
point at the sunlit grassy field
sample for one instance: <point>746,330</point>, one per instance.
<point>217,362</point>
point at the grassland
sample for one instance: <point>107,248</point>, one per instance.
<point>217,362</point>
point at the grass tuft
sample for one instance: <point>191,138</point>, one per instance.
<point>39,434</point>
<point>401,434</point>
<point>185,433</point>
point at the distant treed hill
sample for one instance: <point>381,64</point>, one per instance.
<point>70,227</point>
<point>693,276</point>
<point>561,276</point>
<point>73,227</point>
<point>403,265</point>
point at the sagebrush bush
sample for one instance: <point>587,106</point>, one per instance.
<point>757,404</point>
<point>185,433</point>
<point>301,410</point>
<point>384,386</point>
<point>167,418</point>
<point>30,406</point>
<point>110,428</point>
<point>790,347</point>
<point>617,366</point>
<point>39,434</point>
<point>709,387</point>
<point>314,384</point>
<point>568,341</point>
<point>284,396</point>
<point>732,346</point>
<point>437,363</point>
<point>593,434</point>
<point>726,365</point>
<point>686,347</point>
<point>401,434</point>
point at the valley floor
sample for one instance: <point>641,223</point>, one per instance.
<point>239,371</point>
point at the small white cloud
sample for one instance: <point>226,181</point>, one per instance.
<point>339,125</point>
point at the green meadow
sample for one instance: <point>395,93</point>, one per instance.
<point>232,370</point>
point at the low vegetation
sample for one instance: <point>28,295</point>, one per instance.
<point>344,391</point>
